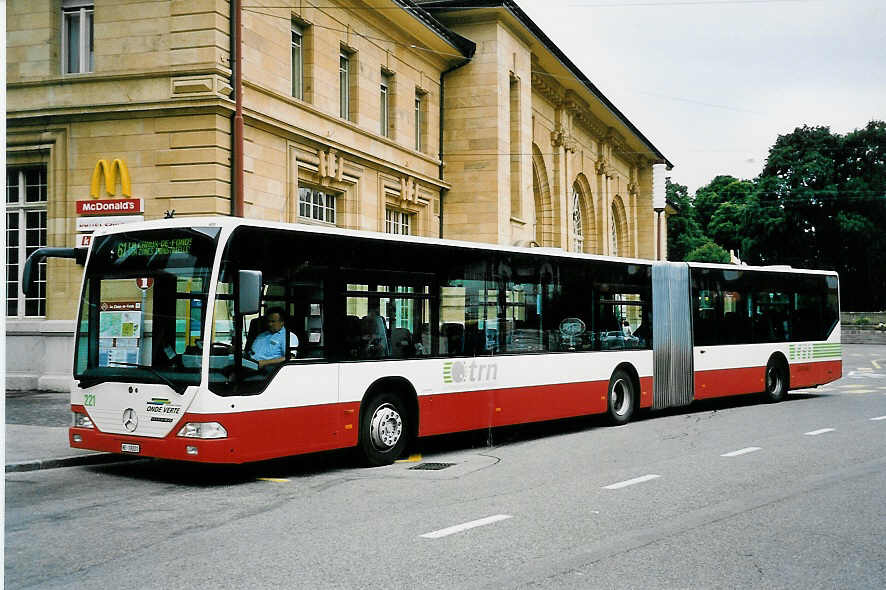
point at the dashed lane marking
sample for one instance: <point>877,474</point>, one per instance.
<point>412,459</point>
<point>630,482</point>
<point>743,451</point>
<point>272,479</point>
<point>465,526</point>
<point>879,418</point>
<point>819,431</point>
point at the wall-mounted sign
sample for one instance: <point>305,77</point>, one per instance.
<point>109,207</point>
<point>94,223</point>
<point>110,172</point>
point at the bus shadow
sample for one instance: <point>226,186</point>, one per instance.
<point>213,475</point>
<point>205,475</point>
<point>723,403</point>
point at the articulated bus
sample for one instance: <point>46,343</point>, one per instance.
<point>401,337</point>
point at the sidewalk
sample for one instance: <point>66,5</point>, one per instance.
<point>37,433</point>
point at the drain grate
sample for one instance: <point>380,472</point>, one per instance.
<point>432,466</point>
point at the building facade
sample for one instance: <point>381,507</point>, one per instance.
<point>381,115</point>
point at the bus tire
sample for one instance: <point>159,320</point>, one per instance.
<point>776,380</point>
<point>620,398</point>
<point>384,430</point>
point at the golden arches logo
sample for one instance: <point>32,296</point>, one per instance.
<point>109,172</point>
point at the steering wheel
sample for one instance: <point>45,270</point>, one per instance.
<point>221,349</point>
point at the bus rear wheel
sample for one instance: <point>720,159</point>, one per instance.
<point>384,430</point>
<point>776,381</point>
<point>620,398</point>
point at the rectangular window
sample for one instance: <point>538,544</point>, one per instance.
<point>344,80</point>
<point>397,222</point>
<point>316,205</point>
<point>298,60</point>
<point>514,143</point>
<point>384,104</point>
<point>25,232</point>
<point>419,122</point>
<point>77,41</point>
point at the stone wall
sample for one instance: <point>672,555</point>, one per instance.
<point>854,333</point>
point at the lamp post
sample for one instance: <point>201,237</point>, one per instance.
<point>658,203</point>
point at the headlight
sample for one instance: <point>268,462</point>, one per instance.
<point>203,430</point>
<point>82,421</point>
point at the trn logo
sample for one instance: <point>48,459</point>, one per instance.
<point>472,371</point>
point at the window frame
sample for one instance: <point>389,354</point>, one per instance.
<point>397,220</point>
<point>344,82</point>
<point>419,120</point>
<point>298,86</point>
<point>578,238</point>
<point>387,81</point>
<point>84,10</point>
<point>313,207</point>
<point>21,207</point>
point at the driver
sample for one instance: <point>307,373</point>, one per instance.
<point>270,346</point>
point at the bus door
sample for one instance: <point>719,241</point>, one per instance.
<point>671,336</point>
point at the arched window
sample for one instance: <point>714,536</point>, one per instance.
<point>619,238</point>
<point>577,225</point>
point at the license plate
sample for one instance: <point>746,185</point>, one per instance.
<point>130,448</point>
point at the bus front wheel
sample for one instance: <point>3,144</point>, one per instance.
<point>620,404</point>
<point>383,430</point>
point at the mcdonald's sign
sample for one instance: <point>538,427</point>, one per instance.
<point>110,172</point>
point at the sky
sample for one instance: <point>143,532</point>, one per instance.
<point>713,83</point>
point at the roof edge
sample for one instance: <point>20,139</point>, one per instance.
<point>463,44</point>
<point>512,7</point>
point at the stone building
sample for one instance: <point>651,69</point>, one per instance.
<point>341,124</point>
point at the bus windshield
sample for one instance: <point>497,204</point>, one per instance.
<point>142,308</point>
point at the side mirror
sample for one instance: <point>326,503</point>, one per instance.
<point>29,273</point>
<point>248,291</point>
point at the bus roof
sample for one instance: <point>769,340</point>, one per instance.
<point>233,222</point>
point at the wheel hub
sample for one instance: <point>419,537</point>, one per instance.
<point>386,427</point>
<point>620,400</point>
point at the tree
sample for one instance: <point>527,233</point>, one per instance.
<point>727,223</point>
<point>820,202</point>
<point>709,197</point>
<point>684,234</point>
<point>709,252</point>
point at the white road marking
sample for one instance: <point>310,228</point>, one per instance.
<point>819,431</point>
<point>879,418</point>
<point>465,526</point>
<point>630,482</point>
<point>862,391</point>
<point>743,451</point>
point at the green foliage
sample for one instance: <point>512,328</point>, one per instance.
<point>820,202</point>
<point>709,252</point>
<point>684,234</point>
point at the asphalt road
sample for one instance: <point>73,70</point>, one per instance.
<point>726,494</point>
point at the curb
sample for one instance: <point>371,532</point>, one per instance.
<point>93,459</point>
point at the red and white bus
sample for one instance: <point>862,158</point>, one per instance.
<point>402,337</point>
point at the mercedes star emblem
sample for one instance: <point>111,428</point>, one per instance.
<point>130,420</point>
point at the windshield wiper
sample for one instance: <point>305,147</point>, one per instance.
<point>179,389</point>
